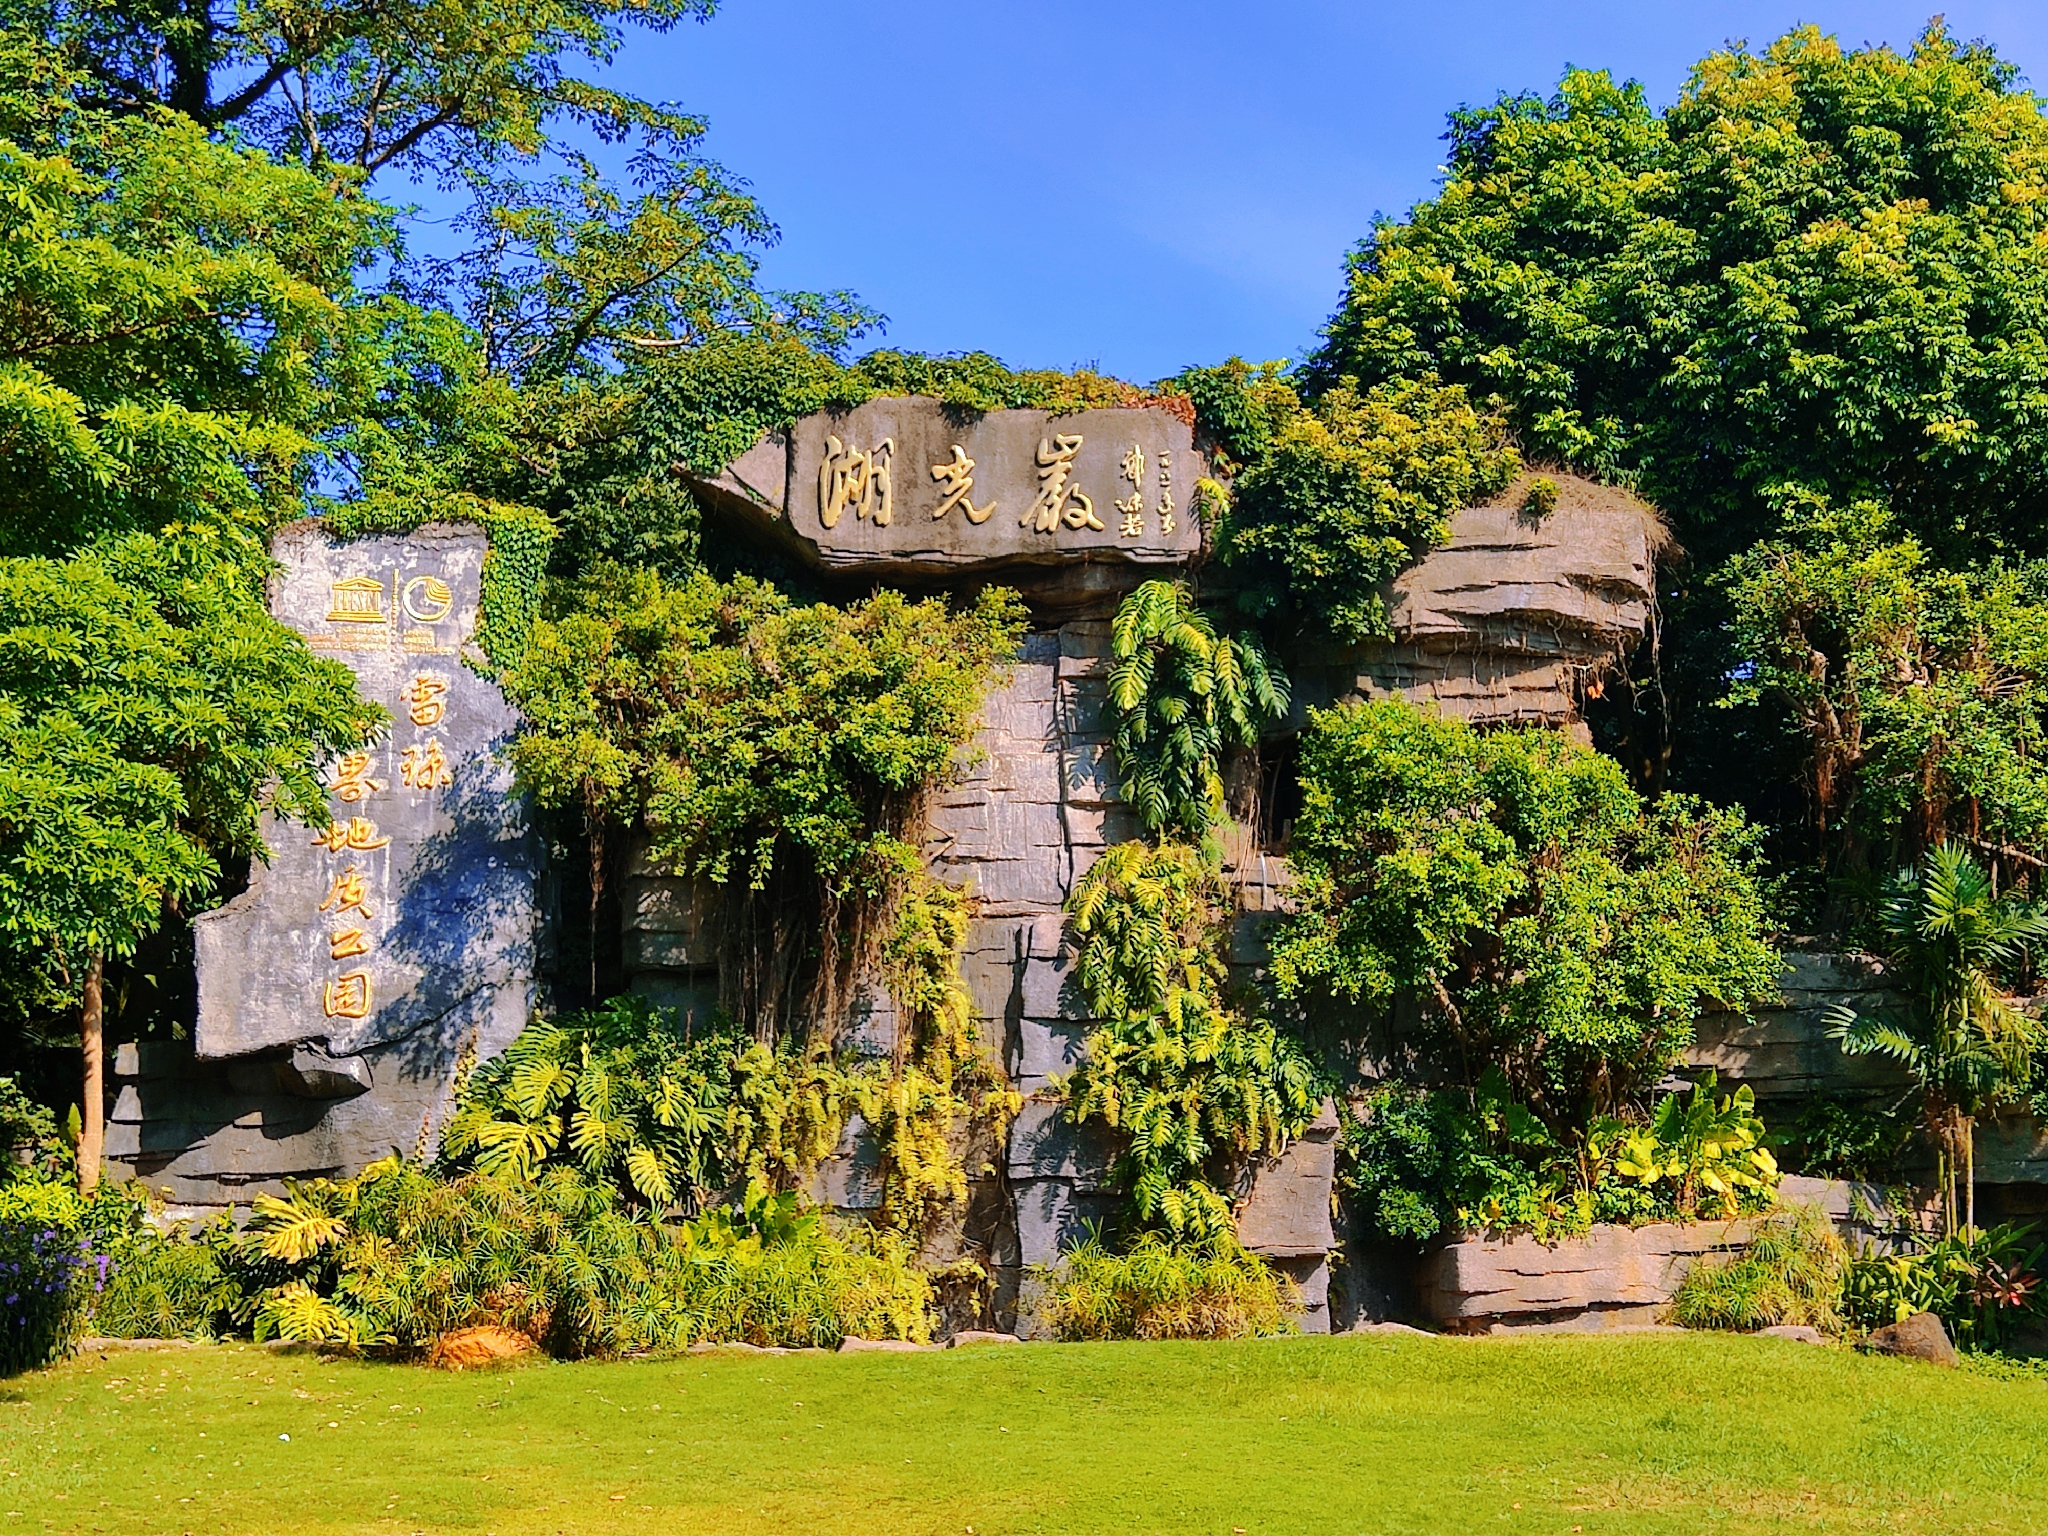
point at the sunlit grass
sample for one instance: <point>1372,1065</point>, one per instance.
<point>1632,1435</point>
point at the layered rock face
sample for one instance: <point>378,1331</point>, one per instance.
<point>339,993</point>
<point>1503,624</point>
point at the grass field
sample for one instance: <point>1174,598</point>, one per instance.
<point>1636,1435</point>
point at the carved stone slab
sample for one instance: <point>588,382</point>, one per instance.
<point>907,489</point>
<point>412,918</point>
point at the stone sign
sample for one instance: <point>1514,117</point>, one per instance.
<point>908,488</point>
<point>404,929</point>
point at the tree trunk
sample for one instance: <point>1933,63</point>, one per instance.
<point>92,1133</point>
<point>1969,1174</point>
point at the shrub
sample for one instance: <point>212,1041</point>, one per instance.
<point>1791,1272</point>
<point>1419,1162</point>
<point>173,1286</point>
<point>397,1257</point>
<point>1160,1289</point>
<point>1984,1283</point>
<point>50,1269</point>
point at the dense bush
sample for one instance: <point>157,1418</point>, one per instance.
<point>1161,1289</point>
<point>1420,1163</point>
<point>397,1257</point>
<point>1343,495</point>
<point>1513,885</point>
<point>1984,1283</point>
<point>51,1268</point>
<point>1790,1272</point>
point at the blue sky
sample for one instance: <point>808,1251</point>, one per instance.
<point>1140,185</point>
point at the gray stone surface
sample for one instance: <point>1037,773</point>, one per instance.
<point>436,881</point>
<point>1785,1052</point>
<point>855,492</point>
<point>339,990</point>
<point>1634,1270</point>
<point>1512,617</point>
<point>1286,1213</point>
<point>1797,1333</point>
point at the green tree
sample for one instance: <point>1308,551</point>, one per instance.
<point>1514,888</point>
<point>773,749</point>
<point>1814,281</point>
<point>1968,1045</point>
<point>1917,694</point>
<point>429,84</point>
<point>179,334</point>
<point>150,710</point>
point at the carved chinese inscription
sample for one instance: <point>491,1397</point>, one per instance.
<point>850,478</point>
<point>1059,500</point>
<point>956,487</point>
<point>1132,468</point>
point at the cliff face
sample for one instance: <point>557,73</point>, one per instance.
<point>1504,623</point>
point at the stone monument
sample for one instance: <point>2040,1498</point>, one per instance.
<point>368,957</point>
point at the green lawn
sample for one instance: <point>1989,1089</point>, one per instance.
<point>1640,1434</point>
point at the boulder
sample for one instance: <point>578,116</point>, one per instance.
<point>853,1346</point>
<point>1919,1337</point>
<point>980,1336</point>
<point>1798,1333</point>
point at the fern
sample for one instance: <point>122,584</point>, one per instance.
<point>1190,1083</point>
<point>1182,695</point>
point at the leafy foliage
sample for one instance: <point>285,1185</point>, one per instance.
<point>626,1095</point>
<point>1182,695</point>
<point>398,1257</point>
<point>1967,1044</point>
<point>150,709</point>
<point>1160,1289</point>
<point>1545,919</point>
<point>1189,1083</point>
<point>1790,1272</point>
<point>745,728</point>
<point>1918,694</point>
<point>1984,1283</point>
<point>180,334</point>
<point>356,88</point>
<point>1346,493</point>
<point>1420,1163</point>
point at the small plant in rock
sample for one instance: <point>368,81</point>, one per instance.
<point>1159,1289</point>
<point>1790,1272</point>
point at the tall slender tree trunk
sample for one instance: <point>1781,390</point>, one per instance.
<point>92,1132</point>
<point>1970,1173</point>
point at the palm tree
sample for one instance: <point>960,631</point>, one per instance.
<point>1967,1045</point>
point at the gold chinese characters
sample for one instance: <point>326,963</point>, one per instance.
<point>347,996</point>
<point>956,485</point>
<point>1058,499</point>
<point>1132,468</point>
<point>358,834</point>
<point>349,893</point>
<point>426,697</point>
<point>851,478</point>
<point>1166,524</point>
<point>425,765</point>
<point>352,778</point>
